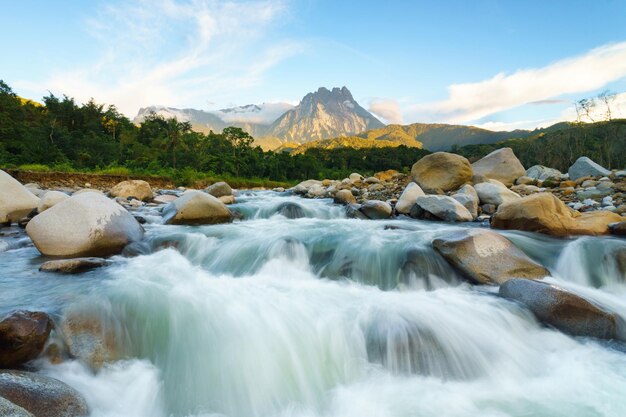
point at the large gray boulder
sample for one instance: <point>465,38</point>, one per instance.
<point>50,199</point>
<point>441,172</point>
<point>304,186</point>
<point>408,197</point>
<point>87,224</point>
<point>23,335</point>
<point>138,189</point>
<point>196,207</point>
<point>501,165</point>
<point>542,173</point>
<point>41,395</point>
<point>564,310</point>
<point>485,257</point>
<point>468,197</point>
<point>585,167</point>
<point>444,207</point>
<point>219,189</point>
<point>15,200</point>
<point>494,192</point>
<point>8,409</point>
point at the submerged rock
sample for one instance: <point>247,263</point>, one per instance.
<point>196,207</point>
<point>585,167</point>
<point>72,266</point>
<point>441,171</point>
<point>545,213</point>
<point>564,310</point>
<point>138,189</point>
<point>23,335</point>
<point>444,207</point>
<point>41,395</point>
<point>501,165</point>
<point>87,224</point>
<point>290,210</point>
<point>15,200</point>
<point>618,229</point>
<point>485,257</point>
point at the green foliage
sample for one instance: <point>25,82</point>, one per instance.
<point>61,135</point>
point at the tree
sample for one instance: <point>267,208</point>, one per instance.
<point>587,105</point>
<point>607,98</point>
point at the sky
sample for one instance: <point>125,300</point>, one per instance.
<point>496,64</point>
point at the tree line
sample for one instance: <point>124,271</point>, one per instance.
<point>61,133</point>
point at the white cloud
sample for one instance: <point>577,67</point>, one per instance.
<point>175,52</point>
<point>389,110</point>
<point>472,101</point>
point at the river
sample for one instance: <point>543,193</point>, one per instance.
<point>325,316</point>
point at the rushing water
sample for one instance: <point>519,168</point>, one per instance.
<point>325,316</point>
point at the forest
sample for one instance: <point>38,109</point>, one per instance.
<point>62,135</point>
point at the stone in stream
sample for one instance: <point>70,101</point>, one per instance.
<point>486,257</point>
<point>441,172</point>
<point>376,210</point>
<point>408,197</point>
<point>8,409</point>
<point>219,189</point>
<point>494,192</point>
<point>227,199</point>
<point>344,197</point>
<point>164,198</point>
<point>585,167</point>
<point>72,266</point>
<point>16,201</point>
<point>501,165</point>
<point>304,186</point>
<point>87,224</point>
<point>545,213</point>
<point>468,197</point>
<point>290,210</point>
<point>353,211</point>
<point>138,189</point>
<point>50,199</point>
<point>445,208</point>
<point>566,311</point>
<point>196,207</point>
<point>23,335</point>
<point>618,229</point>
<point>41,395</point>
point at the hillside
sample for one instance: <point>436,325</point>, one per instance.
<point>354,142</point>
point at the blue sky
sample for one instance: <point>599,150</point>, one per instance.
<point>498,64</point>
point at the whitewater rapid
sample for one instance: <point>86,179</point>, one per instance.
<point>327,316</point>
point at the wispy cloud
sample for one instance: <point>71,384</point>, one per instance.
<point>389,110</point>
<point>579,74</point>
<point>176,52</point>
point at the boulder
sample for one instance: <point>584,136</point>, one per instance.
<point>376,210</point>
<point>196,207</point>
<point>87,224</point>
<point>501,165</point>
<point>72,266</point>
<point>290,210</point>
<point>355,177</point>
<point>585,167</point>
<point>227,199</point>
<point>138,189</point>
<point>50,199</point>
<point>16,201</point>
<point>408,197</point>
<point>303,187</point>
<point>541,173</point>
<point>468,197</point>
<point>441,171</point>
<point>494,192</point>
<point>545,213</point>
<point>164,198</point>
<point>317,190</point>
<point>8,409</point>
<point>388,175</point>
<point>353,211</point>
<point>444,207</point>
<point>563,310</point>
<point>344,197</point>
<point>618,229</point>
<point>87,190</point>
<point>23,335</point>
<point>41,395</point>
<point>372,180</point>
<point>219,189</point>
<point>486,257</point>
<point>524,180</point>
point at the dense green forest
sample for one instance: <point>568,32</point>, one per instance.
<point>604,142</point>
<point>63,135</point>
